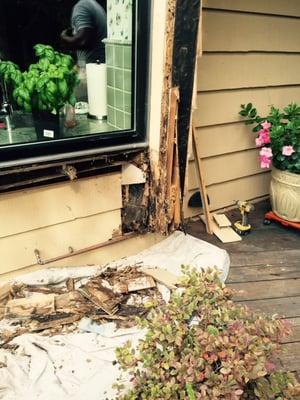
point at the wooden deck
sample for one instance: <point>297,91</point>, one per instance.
<point>265,269</point>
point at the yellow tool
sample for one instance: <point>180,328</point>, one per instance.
<point>243,227</point>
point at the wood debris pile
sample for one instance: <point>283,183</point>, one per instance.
<point>115,295</point>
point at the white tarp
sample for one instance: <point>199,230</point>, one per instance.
<point>80,365</point>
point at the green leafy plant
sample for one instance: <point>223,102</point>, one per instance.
<point>203,346</point>
<point>278,136</point>
<point>47,85</point>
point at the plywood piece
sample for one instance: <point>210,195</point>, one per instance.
<point>227,103</point>
<point>280,7</point>
<point>227,31</point>
<point>234,71</point>
<point>17,251</point>
<point>226,235</point>
<point>40,304</point>
<point>31,209</point>
<point>132,175</point>
<point>162,276</point>
<point>221,220</point>
<point>225,194</point>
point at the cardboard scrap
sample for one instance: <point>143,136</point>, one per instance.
<point>162,276</point>
<point>40,304</point>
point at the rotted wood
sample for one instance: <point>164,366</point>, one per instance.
<point>158,219</point>
<point>181,49</point>
<point>173,174</point>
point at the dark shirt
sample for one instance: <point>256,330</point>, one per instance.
<point>89,14</point>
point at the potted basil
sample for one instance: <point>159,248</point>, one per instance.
<point>44,88</point>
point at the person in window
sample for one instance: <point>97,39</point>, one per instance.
<point>89,28</point>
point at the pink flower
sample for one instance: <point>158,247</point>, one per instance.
<point>259,142</point>
<point>288,150</point>
<point>265,162</point>
<point>266,152</point>
<point>265,136</point>
<point>266,125</point>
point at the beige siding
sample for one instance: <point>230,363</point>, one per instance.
<point>251,53</point>
<point>275,7</point>
<point>227,31</point>
<point>54,218</point>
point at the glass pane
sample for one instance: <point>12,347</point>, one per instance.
<point>66,68</point>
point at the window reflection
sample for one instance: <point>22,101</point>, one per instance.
<point>65,69</point>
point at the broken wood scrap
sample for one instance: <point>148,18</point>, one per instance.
<point>40,304</point>
<point>56,321</point>
<point>162,276</point>
<point>4,292</point>
<point>70,284</point>
<point>72,303</point>
<point>43,289</point>
<point>101,296</point>
<point>134,284</point>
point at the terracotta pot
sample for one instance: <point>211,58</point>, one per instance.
<point>285,194</point>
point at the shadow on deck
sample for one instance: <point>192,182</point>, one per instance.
<point>265,272</point>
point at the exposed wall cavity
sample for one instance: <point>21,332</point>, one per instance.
<point>168,177</point>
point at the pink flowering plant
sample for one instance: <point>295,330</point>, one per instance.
<point>278,136</point>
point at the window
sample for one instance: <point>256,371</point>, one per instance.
<point>73,77</point>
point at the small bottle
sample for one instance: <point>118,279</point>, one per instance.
<point>70,118</point>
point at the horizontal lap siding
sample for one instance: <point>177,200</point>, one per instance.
<point>251,53</point>
<point>54,218</point>
<point>234,32</point>
<point>273,7</point>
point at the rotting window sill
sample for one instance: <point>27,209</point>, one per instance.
<point>35,172</point>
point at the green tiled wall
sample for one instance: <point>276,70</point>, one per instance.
<point>119,83</point>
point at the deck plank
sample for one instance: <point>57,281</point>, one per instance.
<point>266,289</point>
<point>288,307</point>
<point>295,335</point>
<point>264,272</point>
<point>274,257</point>
<point>290,356</point>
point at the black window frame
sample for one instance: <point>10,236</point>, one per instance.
<point>24,153</point>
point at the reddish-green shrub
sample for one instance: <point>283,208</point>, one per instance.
<point>203,346</point>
